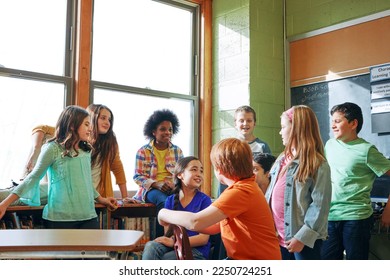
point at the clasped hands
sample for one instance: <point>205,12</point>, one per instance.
<point>164,186</point>
<point>112,203</point>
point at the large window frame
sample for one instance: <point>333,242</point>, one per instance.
<point>41,83</point>
<point>188,143</point>
<point>68,75</point>
<point>83,83</point>
<point>77,72</point>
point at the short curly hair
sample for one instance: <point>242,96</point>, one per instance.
<point>158,117</point>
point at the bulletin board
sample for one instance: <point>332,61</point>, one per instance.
<point>339,53</point>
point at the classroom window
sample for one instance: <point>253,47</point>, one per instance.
<point>35,76</point>
<point>144,58</point>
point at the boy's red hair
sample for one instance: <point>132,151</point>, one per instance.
<point>233,158</point>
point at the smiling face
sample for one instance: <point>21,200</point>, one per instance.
<point>163,134</point>
<point>245,124</point>
<point>192,176</point>
<point>285,130</point>
<point>104,121</point>
<point>343,129</point>
<point>85,129</point>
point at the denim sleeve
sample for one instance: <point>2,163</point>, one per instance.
<point>316,218</point>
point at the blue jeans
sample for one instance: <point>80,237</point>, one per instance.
<point>158,198</point>
<point>307,253</point>
<point>352,236</point>
<point>157,251</point>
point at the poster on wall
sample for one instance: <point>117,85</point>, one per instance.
<point>380,98</point>
<point>380,107</point>
<point>380,91</point>
<point>380,73</point>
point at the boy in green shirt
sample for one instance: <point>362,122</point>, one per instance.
<point>354,164</point>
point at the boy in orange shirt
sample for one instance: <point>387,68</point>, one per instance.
<point>241,213</point>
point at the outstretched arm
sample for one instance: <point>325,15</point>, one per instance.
<point>110,202</point>
<point>123,189</point>
<point>386,211</point>
<point>205,221</point>
<point>7,202</point>
<point>386,214</point>
<point>37,142</point>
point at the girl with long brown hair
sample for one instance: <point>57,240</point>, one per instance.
<point>105,153</point>
<point>67,159</point>
<point>300,190</point>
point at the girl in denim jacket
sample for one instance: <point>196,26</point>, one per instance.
<point>300,190</point>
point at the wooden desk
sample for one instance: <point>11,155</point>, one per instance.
<point>127,210</point>
<point>131,210</point>
<point>136,210</point>
<point>25,208</point>
<point>43,240</point>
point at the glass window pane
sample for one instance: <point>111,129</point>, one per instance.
<point>130,114</point>
<point>33,35</point>
<point>28,103</point>
<point>142,43</point>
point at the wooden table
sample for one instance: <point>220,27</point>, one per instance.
<point>25,243</point>
<point>129,210</point>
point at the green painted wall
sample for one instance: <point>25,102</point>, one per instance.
<point>266,64</point>
<point>248,67</point>
<point>308,15</point>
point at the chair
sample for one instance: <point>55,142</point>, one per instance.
<point>182,245</point>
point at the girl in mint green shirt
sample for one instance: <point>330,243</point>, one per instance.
<point>67,160</point>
